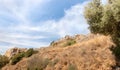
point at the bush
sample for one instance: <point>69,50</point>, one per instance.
<point>29,52</point>
<point>38,63</point>
<point>3,61</point>
<point>45,63</point>
<point>17,58</point>
<point>55,61</point>
<point>70,42</point>
<point>72,67</point>
<point>53,43</point>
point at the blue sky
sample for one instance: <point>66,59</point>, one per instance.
<point>35,23</point>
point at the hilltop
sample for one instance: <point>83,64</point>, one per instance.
<point>80,52</point>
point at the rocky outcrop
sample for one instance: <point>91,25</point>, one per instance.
<point>13,51</point>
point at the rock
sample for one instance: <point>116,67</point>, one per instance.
<point>13,51</point>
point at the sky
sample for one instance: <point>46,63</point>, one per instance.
<point>36,23</point>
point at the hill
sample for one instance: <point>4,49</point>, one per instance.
<point>81,52</point>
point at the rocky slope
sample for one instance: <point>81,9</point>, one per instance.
<point>91,52</point>
<point>13,51</point>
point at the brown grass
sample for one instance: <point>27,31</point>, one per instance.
<point>92,53</point>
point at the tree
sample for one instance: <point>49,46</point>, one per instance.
<point>105,19</point>
<point>93,14</point>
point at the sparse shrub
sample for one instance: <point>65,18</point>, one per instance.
<point>72,67</point>
<point>70,42</point>
<point>45,63</point>
<point>38,63</point>
<point>3,61</point>
<point>53,43</point>
<point>17,58</point>
<point>53,63</point>
<point>29,52</point>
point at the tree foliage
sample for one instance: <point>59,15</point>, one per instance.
<point>104,19</point>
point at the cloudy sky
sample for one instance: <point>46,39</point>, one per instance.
<point>35,23</point>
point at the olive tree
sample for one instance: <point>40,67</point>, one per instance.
<point>105,19</point>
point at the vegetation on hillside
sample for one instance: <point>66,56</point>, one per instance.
<point>72,67</point>
<point>3,61</point>
<point>37,63</point>
<point>70,42</point>
<point>19,56</point>
<point>105,19</point>
<point>29,52</point>
<point>92,53</point>
<point>63,43</point>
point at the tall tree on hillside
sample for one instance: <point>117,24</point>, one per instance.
<point>105,19</point>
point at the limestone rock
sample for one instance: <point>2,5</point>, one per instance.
<point>13,51</point>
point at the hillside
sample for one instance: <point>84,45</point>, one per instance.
<point>81,52</point>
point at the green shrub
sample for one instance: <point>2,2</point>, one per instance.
<point>72,67</point>
<point>29,52</point>
<point>53,43</point>
<point>3,61</point>
<point>17,58</point>
<point>70,42</point>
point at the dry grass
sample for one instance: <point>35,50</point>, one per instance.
<point>90,53</point>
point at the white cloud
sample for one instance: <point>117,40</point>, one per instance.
<point>21,39</point>
<point>72,23</point>
<point>19,8</point>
